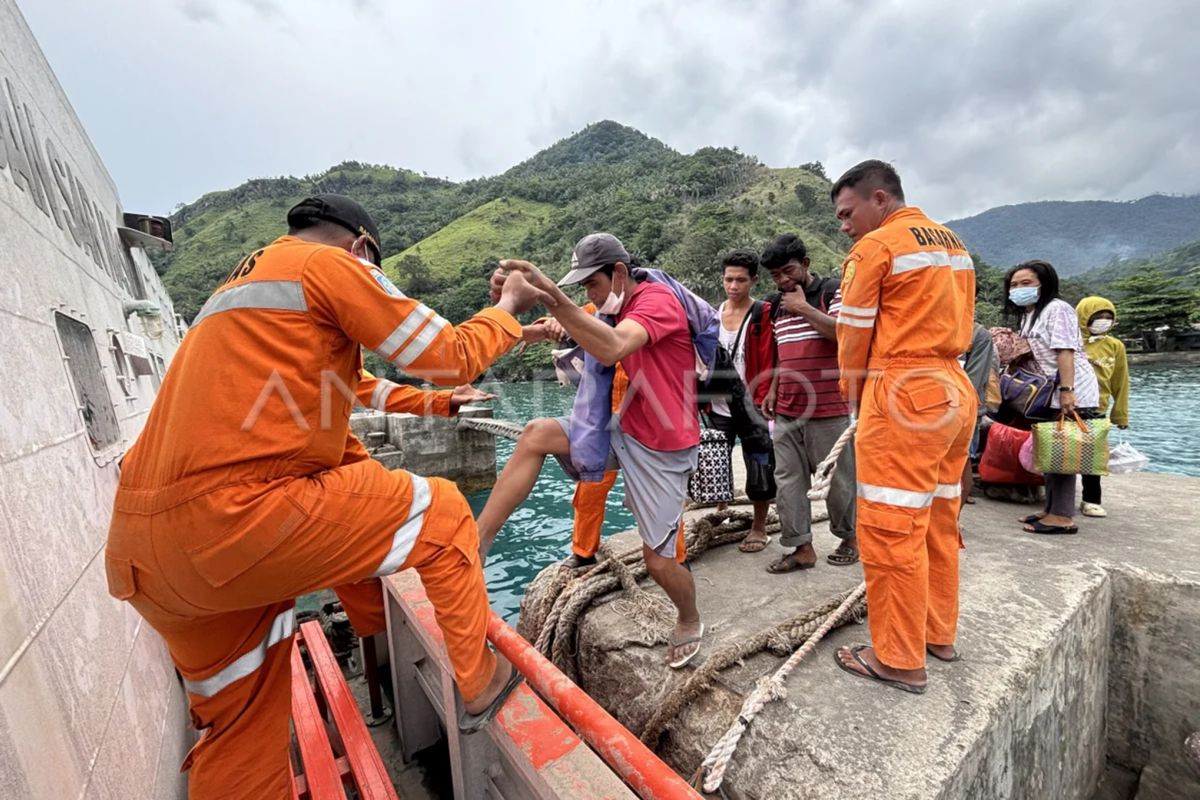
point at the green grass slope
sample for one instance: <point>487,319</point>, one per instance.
<point>497,229</point>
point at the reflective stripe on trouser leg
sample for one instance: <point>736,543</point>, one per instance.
<point>406,534</point>
<point>943,542</point>
<point>282,628</point>
<point>446,556</point>
<point>242,751</point>
<point>904,441</point>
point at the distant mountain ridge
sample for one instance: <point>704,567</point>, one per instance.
<point>1076,236</point>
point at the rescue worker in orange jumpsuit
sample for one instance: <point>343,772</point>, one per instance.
<point>247,489</point>
<point>908,306</point>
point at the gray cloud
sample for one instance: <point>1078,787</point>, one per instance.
<point>977,107</point>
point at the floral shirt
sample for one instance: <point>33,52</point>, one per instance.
<point>1057,328</point>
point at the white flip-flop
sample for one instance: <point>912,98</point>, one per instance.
<point>690,640</point>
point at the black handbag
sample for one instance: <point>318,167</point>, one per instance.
<point>712,482</point>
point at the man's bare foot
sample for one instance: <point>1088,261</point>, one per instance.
<point>861,660</point>
<point>504,671</point>
<point>684,643</point>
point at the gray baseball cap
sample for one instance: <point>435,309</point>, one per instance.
<point>594,251</point>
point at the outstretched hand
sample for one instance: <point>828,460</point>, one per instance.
<point>517,295</point>
<point>548,291</point>
<point>466,394</point>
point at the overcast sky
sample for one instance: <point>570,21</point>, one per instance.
<point>976,107</point>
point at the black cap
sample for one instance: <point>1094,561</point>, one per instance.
<point>340,210</point>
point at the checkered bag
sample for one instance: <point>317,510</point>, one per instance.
<point>1071,446</point>
<point>712,482</point>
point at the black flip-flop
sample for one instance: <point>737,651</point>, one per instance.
<point>843,557</point>
<point>792,565</point>
<point>472,723</point>
<point>1032,518</point>
<point>576,561</point>
<point>957,656</point>
<point>870,673</point>
<point>1051,530</point>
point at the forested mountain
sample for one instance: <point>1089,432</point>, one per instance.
<point>679,211</point>
<point>441,239</point>
<point>1077,236</point>
<point>673,210</point>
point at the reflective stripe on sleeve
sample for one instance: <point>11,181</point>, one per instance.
<point>258,295</point>
<point>282,628</point>
<point>411,324</point>
<point>379,396</point>
<point>855,322</point>
<point>406,535</point>
<point>860,311</point>
<point>961,262</point>
<point>422,340</point>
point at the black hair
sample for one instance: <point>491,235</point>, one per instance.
<point>1048,279</point>
<point>741,258</point>
<point>779,252</point>
<point>875,174</point>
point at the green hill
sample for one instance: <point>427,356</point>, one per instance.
<point>491,231</point>
<point>675,211</point>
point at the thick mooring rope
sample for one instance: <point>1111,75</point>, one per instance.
<point>823,476</point>
<point>768,689</point>
<point>496,427</point>
<point>552,614</point>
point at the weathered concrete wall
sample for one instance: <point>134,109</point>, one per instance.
<point>89,706</point>
<point>431,446</point>
<point>1154,694</point>
<point>1076,650</point>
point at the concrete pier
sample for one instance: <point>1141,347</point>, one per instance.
<point>1080,675</point>
<point>431,446</point>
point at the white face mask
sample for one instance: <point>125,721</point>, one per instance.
<point>613,304</point>
<point>1101,326</point>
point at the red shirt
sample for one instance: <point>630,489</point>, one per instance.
<point>660,404</point>
<point>808,364</point>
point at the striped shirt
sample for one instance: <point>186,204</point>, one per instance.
<point>808,366</point>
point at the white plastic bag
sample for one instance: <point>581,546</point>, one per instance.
<point>1126,458</point>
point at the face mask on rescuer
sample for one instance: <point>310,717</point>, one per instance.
<point>1023,295</point>
<point>1101,326</point>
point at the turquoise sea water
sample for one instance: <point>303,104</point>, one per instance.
<point>1164,424</point>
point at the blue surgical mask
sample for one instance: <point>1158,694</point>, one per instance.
<point>1023,295</point>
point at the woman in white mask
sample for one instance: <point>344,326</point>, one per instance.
<point>1050,326</point>
<point>1106,354</point>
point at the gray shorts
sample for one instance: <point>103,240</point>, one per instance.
<point>656,484</point>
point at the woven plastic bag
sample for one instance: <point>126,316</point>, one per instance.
<point>1126,458</point>
<point>1071,446</point>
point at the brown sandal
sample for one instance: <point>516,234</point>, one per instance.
<point>755,545</point>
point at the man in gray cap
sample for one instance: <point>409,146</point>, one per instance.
<point>656,440</point>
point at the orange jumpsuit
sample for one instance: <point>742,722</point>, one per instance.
<point>247,489</point>
<point>908,305</point>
